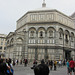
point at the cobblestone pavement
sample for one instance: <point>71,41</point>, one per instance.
<point>21,70</point>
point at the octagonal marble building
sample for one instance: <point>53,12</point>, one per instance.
<point>42,34</point>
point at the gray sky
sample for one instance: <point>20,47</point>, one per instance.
<point>12,10</point>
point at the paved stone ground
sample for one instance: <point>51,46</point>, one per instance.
<point>21,70</point>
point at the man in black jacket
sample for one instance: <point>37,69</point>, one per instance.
<point>41,69</point>
<point>3,67</point>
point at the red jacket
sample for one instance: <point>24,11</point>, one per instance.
<point>72,64</point>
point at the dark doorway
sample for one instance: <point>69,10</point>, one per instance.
<point>67,55</point>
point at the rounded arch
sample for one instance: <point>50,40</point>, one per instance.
<point>50,31</point>
<point>41,29</point>
<point>67,32</point>
<point>72,36</point>
<point>51,28</point>
<point>41,32</point>
<point>32,28</point>
<point>32,32</point>
<point>67,36</point>
<point>19,39</point>
<point>60,31</point>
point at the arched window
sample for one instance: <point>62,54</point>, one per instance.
<point>72,36</point>
<point>60,33</point>
<point>66,38</point>
<point>72,39</point>
<point>50,33</point>
<point>32,34</point>
<point>41,33</point>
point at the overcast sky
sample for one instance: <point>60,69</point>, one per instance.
<point>12,10</point>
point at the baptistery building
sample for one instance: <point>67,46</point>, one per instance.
<point>42,34</point>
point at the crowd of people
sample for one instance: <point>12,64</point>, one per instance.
<point>45,68</point>
<point>16,62</point>
<point>6,66</point>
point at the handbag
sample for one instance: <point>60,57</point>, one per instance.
<point>11,73</point>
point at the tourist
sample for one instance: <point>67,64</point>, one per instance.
<point>13,62</point>
<point>68,67</point>
<point>72,64</point>
<point>59,63</point>
<point>17,62</point>
<point>51,64</point>
<point>25,61</point>
<point>34,64</point>
<point>55,63</point>
<point>64,63</point>
<point>21,62</point>
<point>42,61</point>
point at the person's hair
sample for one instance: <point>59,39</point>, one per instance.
<point>1,60</point>
<point>71,58</point>
<point>41,69</point>
<point>10,60</point>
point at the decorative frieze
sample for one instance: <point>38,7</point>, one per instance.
<point>41,17</point>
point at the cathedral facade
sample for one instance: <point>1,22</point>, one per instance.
<point>42,34</point>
